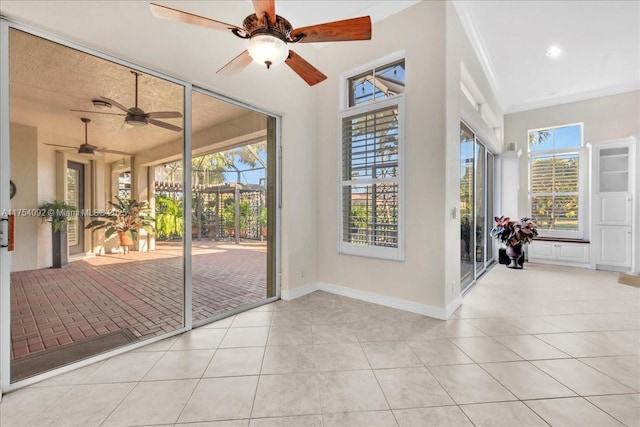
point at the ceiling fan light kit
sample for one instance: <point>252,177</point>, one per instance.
<point>132,120</point>
<point>269,34</point>
<point>268,50</point>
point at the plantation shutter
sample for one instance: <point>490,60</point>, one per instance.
<point>370,179</point>
<point>370,153</point>
<point>555,191</point>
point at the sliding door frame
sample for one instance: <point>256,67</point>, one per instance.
<point>5,257</point>
<point>275,175</point>
<point>477,272</point>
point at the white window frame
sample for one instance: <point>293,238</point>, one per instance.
<point>343,102</point>
<point>381,252</point>
<point>583,183</point>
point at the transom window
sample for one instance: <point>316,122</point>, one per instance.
<point>377,83</point>
<point>555,180</point>
<point>371,158</point>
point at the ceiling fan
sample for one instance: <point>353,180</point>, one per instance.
<point>269,34</point>
<point>135,116</point>
<point>87,148</point>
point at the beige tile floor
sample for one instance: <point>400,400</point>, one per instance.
<point>541,346</point>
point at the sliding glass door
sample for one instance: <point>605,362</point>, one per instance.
<point>476,206</point>
<point>467,210</point>
<point>198,180</point>
<point>82,282</point>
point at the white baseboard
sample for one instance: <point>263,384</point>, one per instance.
<point>556,262</point>
<point>453,306</point>
<point>400,304</point>
<point>289,294</point>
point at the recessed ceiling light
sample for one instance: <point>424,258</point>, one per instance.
<point>554,51</point>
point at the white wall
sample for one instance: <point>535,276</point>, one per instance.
<point>24,174</point>
<point>429,275</point>
<point>420,277</point>
<point>609,117</point>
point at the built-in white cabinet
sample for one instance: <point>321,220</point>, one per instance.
<point>614,208</point>
<point>613,171</point>
<point>615,246</point>
<point>558,252</point>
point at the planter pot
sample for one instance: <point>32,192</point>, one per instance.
<point>515,254</point>
<point>59,254</point>
<point>125,239</point>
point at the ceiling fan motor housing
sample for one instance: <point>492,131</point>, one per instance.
<point>280,29</point>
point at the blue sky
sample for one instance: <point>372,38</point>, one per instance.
<point>559,138</point>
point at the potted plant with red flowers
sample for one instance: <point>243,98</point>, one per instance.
<point>514,234</point>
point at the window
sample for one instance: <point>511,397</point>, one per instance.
<point>556,180</point>
<point>377,83</point>
<point>371,184</point>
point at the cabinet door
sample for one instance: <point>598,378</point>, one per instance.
<point>613,169</point>
<point>614,209</point>
<point>615,246</point>
<point>573,252</point>
<point>540,250</point>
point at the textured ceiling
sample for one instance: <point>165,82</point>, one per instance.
<point>47,80</point>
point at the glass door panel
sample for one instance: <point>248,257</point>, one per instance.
<point>467,217</point>
<point>75,198</point>
<point>476,207</point>
<point>489,223</point>
<point>120,288</point>
<point>479,206</point>
<point>232,215</point>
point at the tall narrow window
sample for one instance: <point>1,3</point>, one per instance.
<point>371,154</point>
<point>554,180</point>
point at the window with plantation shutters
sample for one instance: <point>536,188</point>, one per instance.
<point>371,171</point>
<point>555,180</point>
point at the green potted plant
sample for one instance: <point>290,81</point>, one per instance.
<point>245,213</point>
<point>169,222</point>
<point>262,222</point>
<point>60,215</point>
<point>229,216</point>
<point>514,234</point>
<point>126,218</point>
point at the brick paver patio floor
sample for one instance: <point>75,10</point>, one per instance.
<point>140,291</point>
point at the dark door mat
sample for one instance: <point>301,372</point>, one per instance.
<point>28,366</point>
<point>629,279</point>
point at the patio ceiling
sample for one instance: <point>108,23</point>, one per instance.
<point>49,80</point>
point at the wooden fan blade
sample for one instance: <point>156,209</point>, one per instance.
<point>265,6</point>
<point>164,115</point>
<point>98,112</point>
<point>308,72</point>
<point>189,18</point>
<point>165,125</point>
<point>116,104</point>
<point>236,65</point>
<point>337,31</point>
